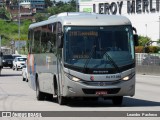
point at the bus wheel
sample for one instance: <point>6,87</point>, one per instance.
<point>39,95</point>
<point>117,100</point>
<point>23,79</point>
<point>16,68</point>
<point>60,99</point>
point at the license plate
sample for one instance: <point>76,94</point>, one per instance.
<point>9,62</point>
<point>101,92</point>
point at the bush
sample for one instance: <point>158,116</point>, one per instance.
<point>149,49</point>
<point>139,49</point>
<point>152,49</point>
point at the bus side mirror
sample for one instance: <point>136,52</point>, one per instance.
<point>60,40</point>
<point>135,36</point>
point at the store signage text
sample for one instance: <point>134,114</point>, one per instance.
<point>133,6</point>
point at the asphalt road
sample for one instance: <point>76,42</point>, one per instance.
<point>16,95</point>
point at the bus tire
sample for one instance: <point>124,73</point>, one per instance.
<point>60,99</point>
<point>117,100</point>
<point>23,79</point>
<point>39,95</point>
<point>16,68</point>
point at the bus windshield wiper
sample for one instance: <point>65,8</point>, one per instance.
<point>113,62</point>
<point>90,55</point>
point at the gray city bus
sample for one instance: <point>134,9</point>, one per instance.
<point>82,55</point>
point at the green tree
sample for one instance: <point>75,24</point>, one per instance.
<point>60,3</point>
<point>48,3</point>
<point>143,40</point>
<point>4,14</point>
<point>40,17</point>
<point>62,7</point>
<point>15,2</point>
<point>2,11</point>
<point>9,31</point>
<point>72,3</point>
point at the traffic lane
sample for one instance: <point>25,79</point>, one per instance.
<point>148,87</point>
<point>148,79</point>
<point>8,72</point>
<point>16,95</point>
<point>13,89</point>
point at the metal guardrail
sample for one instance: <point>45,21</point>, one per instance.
<point>148,63</point>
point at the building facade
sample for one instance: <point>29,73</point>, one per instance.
<point>144,14</point>
<point>38,4</point>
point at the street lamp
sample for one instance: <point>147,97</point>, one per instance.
<point>146,29</point>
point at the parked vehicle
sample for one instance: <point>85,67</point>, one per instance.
<point>19,62</point>
<point>24,73</point>
<point>151,60</point>
<point>16,55</point>
<point>7,61</point>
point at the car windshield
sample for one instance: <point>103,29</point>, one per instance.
<point>7,57</point>
<point>98,47</point>
<point>16,56</point>
<point>22,59</point>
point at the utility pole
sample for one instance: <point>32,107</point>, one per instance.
<point>0,57</point>
<point>159,28</point>
<point>18,26</point>
<point>0,43</point>
<point>77,6</point>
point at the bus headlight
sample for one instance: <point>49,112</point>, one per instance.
<point>72,77</point>
<point>75,79</point>
<point>128,77</point>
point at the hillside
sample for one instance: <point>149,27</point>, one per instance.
<point>9,31</point>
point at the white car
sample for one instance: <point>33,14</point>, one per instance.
<point>19,62</point>
<point>24,73</point>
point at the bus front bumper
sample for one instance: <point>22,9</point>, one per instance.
<point>81,89</point>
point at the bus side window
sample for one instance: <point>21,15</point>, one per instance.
<point>47,39</point>
<point>29,42</point>
<point>36,42</point>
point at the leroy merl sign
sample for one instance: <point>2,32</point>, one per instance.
<point>120,6</point>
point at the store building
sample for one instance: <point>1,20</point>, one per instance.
<point>38,4</point>
<point>144,14</point>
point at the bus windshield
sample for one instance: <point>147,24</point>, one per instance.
<point>98,47</point>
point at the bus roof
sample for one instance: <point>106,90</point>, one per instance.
<point>84,19</point>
